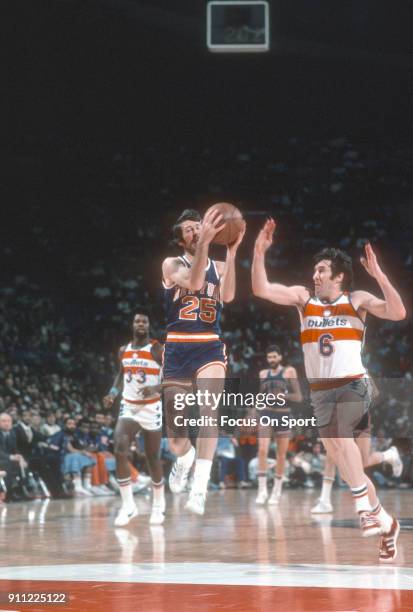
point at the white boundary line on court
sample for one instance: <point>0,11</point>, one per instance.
<point>300,575</point>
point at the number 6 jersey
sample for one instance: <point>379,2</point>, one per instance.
<point>332,336</point>
<point>194,316</point>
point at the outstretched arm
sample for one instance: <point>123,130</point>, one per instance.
<point>175,273</point>
<point>228,282</point>
<point>261,287</point>
<point>392,307</point>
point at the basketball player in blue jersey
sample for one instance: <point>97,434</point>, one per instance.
<point>140,410</point>
<point>332,330</point>
<point>195,290</point>
<point>275,379</point>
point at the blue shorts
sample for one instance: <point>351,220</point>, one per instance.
<point>183,360</point>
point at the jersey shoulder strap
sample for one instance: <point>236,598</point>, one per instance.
<point>184,260</point>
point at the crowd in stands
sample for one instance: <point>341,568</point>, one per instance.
<point>67,307</point>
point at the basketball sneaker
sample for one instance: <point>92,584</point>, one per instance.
<point>178,477</point>
<point>196,503</point>
<point>369,524</point>
<point>125,515</point>
<point>97,491</point>
<point>274,498</point>
<point>261,498</point>
<point>82,492</point>
<point>143,479</point>
<point>106,490</point>
<point>158,513</point>
<point>388,541</point>
<point>322,507</point>
<point>395,462</point>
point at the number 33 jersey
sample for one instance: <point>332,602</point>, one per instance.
<point>193,316</point>
<point>332,336</point>
<point>139,370</point>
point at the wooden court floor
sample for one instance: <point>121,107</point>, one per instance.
<point>237,557</point>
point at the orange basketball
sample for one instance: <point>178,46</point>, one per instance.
<point>234,222</point>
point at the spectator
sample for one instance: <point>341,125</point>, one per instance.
<point>12,462</point>
<point>50,427</point>
<point>227,461</point>
<point>25,435</point>
<point>75,463</point>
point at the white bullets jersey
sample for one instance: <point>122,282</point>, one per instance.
<point>139,370</point>
<point>332,336</point>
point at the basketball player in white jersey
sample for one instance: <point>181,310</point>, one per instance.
<point>332,330</point>
<point>140,409</point>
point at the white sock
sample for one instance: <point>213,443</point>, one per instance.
<point>201,475</point>
<point>361,498</point>
<point>326,489</point>
<point>77,481</point>
<point>187,459</point>
<point>278,483</point>
<point>126,493</point>
<point>87,480</point>
<point>262,483</point>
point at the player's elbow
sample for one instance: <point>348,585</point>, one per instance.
<point>399,314</point>
<point>259,290</point>
<point>195,285</point>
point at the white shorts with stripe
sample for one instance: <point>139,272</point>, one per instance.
<point>148,416</point>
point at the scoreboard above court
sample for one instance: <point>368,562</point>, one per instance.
<point>234,26</point>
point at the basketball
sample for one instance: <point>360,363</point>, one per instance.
<point>234,223</point>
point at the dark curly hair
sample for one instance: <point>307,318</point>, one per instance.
<point>341,263</point>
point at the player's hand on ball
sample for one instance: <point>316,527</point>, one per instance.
<point>232,248</point>
<point>369,262</point>
<point>211,225</point>
<point>265,237</point>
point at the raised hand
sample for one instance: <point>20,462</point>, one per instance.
<point>265,237</point>
<point>232,248</point>
<point>369,262</point>
<point>211,225</point>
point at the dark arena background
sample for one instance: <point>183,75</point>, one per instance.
<point>118,117</point>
